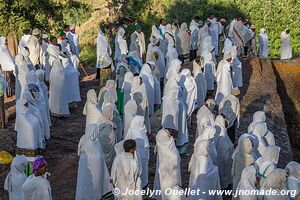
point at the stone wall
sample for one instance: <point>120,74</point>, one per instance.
<point>260,93</point>
<point>288,87</point>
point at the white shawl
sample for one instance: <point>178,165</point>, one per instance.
<point>200,83</point>
<point>91,109</point>
<point>224,81</point>
<point>130,111</point>
<point>6,61</point>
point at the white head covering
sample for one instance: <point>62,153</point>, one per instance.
<point>130,111</point>
<point>174,68</point>
<point>91,133</point>
<point>271,153</point>
<point>248,179</point>
<point>6,61</point>
<point>265,170</point>
<point>276,180</point>
<point>137,130</point>
<point>293,169</point>
<point>208,134</point>
<point>258,116</point>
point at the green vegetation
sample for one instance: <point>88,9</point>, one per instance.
<point>50,15</point>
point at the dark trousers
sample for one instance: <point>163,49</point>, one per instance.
<point>193,55</point>
<point>2,112</point>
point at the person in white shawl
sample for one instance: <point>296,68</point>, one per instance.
<point>58,99</point>
<point>243,158</point>
<point>236,66</point>
<point>204,176</point>
<point>103,51</point>
<point>21,72</point>
<point>107,135</point>
<point>130,111</point>
<point>148,79</point>
<point>230,108</point>
<point>37,186</point>
<point>248,182</point>
<point>277,182</point>
<point>224,80</point>
<point>189,92</point>
<point>6,60</point>
<point>171,54</point>
<point>194,28</point>
<point>155,34</point>
<point>271,153</point>
<point>109,85</point>
<point>183,42</point>
<point>200,82</point>
<point>91,109</point>
<point>264,172</point>
<point>35,47</point>
<point>259,131</point>
<point>40,74</point>
<point>225,149</point>
<point>126,172</point>
<point>74,41</point>
<point>209,71</point>
<point>263,43</point>
<point>93,180</point>
<point>214,32</point>
<point>126,87</point>
<point>138,132</point>
<point>120,45</point>
<point>293,179</point>
<point>260,117</point>
<point>24,39</point>
<point>168,172</point>
<point>286,46</point>
<point>16,177</point>
<point>203,33</point>
<point>137,39</point>
<point>170,109</point>
<point>173,75</point>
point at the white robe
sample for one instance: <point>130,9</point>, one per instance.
<point>171,54</point>
<point>58,99</point>
<point>293,179</point>
<point>230,107</point>
<point>23,41</point>
<point>201,84</point>
<point>36,188</point>
<point>271,153</point>
<point>205,118</point>
<point>236,66</point>
<point>91,109</point>
<point>183,40</point>
<point>130,111</point>
<point>125,173</point>
<point>247,182</point>
<point>225,149</point>
<point>170,109</point>
<point>160,62</point>
<point>189,92</point>
<point>204,176</point>
<point>35,50</point>
<point>168,172</point>
<point>93,180</point>
<point>259,131</point>
<point>120,45</point>
<point>138,132</point>
<point>209,71</point>
<point>6,61</point>
<point>224,81</point>
<point>263,42</point>
<point>126,87</point>
<point>16,177</point>
<point>214,32</point>
<point>286,46</point>
<point>21,73</point>
<point>103,51</point>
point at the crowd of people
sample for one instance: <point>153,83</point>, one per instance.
<point>184,70</point>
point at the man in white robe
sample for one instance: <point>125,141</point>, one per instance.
<point>138,132</point>
<point>224,80</point>
<point>138,41</point>
<point>16,177</point>
<point>121,48</point>
<point>263,43</point>
<point>286,46</point>
<point>126,171</point>
<point>168,164</point>
<point>170,109</point>
<point>126,87</point>
<point>58,99</point>
<point>35,47</point>
<point>93,180</point>
<point>209,70</point>
<point>37,186</point>
<point>74,41</point>
<point>183,41</point>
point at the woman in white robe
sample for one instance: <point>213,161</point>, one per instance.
<point>263,43</point>
<point>107,135</point>
<point>189,92</point>
<point>264,172</point>
<point>276,182</point>
<point>201,84</point>
<point>103,51</point>
<point>173,75</point>
<point>286,46</point>
<point>225,149</point>
<point>16,177</point>
<point>230,107</point>
<point>243,158</point>
<point>259,131</point>
<point>93,180</point>
<point>148,79</point>
<point>58,99</point>
<point>91,109</point>
<point>247,182</point>
<point>170,109</point>
<point>183,41</point>
<point>293,179</point>
<point>209,71</point>
<point>120,45</point>
<point>205,117</point>
<point>271,153</point>
<point>168,164</point>
<point>171,54</point>
<point>130,111</point>
<point>109,85</point>
<point>204,176</point>
<point>260,117</point>
<point>236,66</point>
<point>40,74</point>
<point>138,132</point>
<point>126,87</point>
<point>224,81</point>
<point>21,72</point>
<point>158,57</point>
